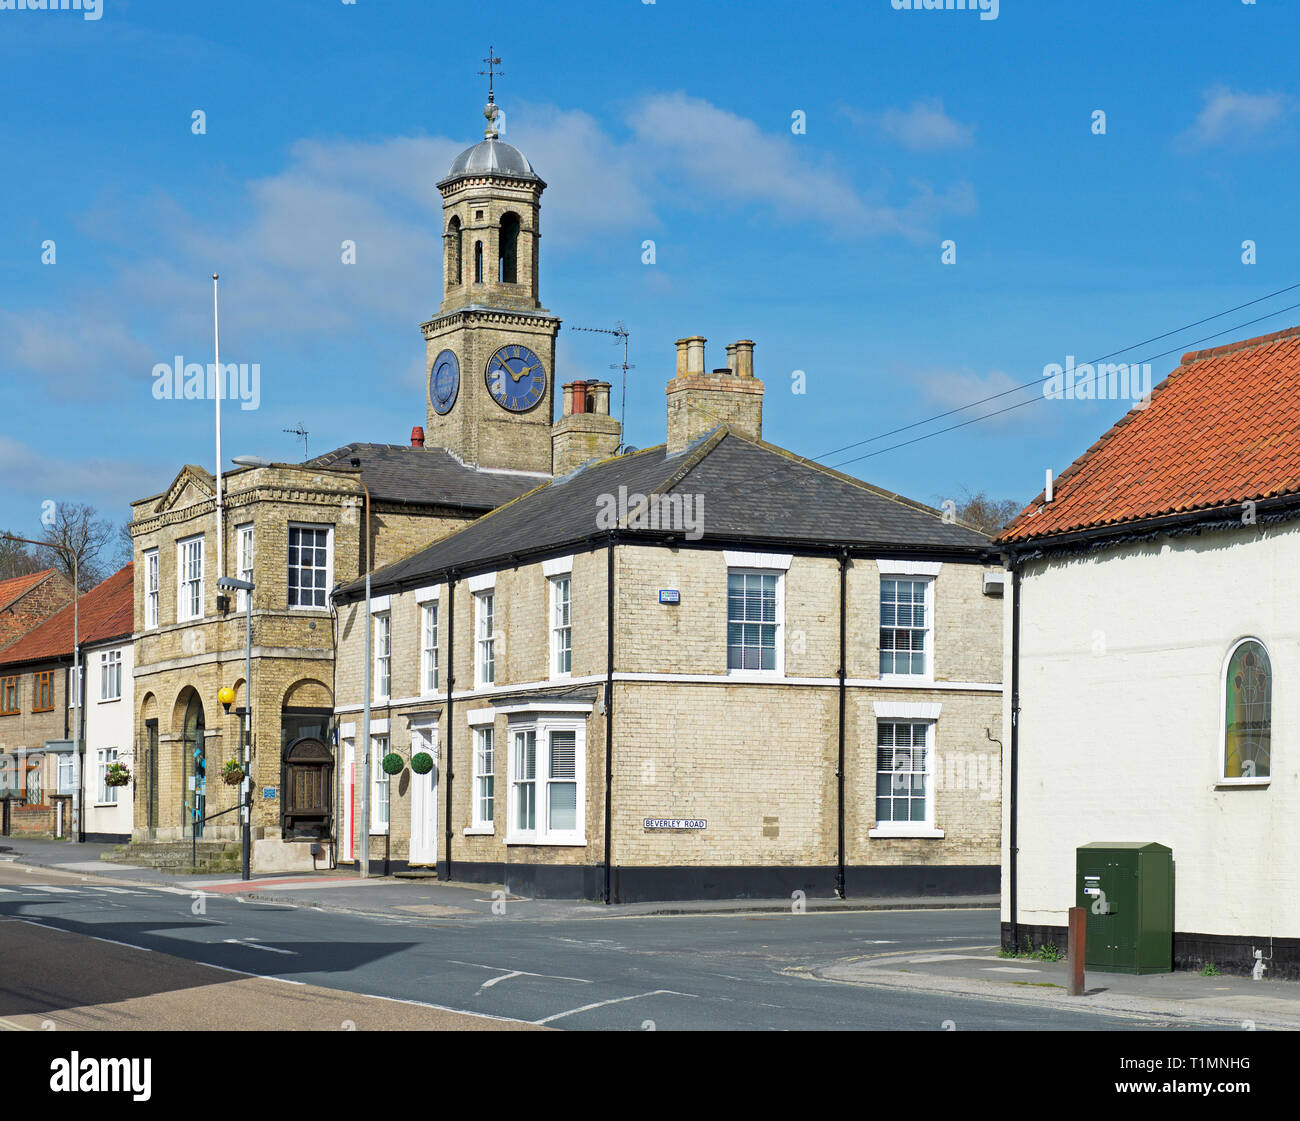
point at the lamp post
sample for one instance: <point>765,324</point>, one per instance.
<point>76,675</point>
<point>246,787</point>
<point>363,863</point>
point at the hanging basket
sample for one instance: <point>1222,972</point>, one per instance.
<point>421,762</point>
<point>233,778</point>
<point>116,774</point>
<point>393,764</point>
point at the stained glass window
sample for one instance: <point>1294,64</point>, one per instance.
<point>1248,712</point>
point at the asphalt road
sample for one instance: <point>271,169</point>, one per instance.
<point>680,972</point>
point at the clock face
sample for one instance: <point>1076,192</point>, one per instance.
<point>444,381</point>
<point>516,378</point>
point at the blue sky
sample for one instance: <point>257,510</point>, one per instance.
<point>668,121</point>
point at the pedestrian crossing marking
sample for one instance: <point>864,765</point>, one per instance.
<point>54,890</point>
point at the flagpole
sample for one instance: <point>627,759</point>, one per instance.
<point>218,387</point>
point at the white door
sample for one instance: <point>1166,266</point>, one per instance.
<point>424,798</point>
<point>349,800</point>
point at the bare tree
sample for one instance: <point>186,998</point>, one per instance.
<point>988,514</point>
<point>77,527</point>
<point>15,559</point>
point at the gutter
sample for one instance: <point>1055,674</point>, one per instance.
<point>839,770</point>
<point>609,713</point>
<point>451,681</point>
<point>1013,562</point>
<point>956,554</point>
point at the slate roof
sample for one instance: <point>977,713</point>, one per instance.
<point>754,493</point>
<point>105,612</point>
<point>1221,429</point>
<point>428,476</point>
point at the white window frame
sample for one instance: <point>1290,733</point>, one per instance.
<point>484,734</point>
<point>923,829</point>
<point>106,795</point>
<point>110,673</point>
<point>184,613</point>
<point>380,780</point>
<point>382,653</point>
<point>929,581</point>
<point>561,632</point>
<point>429,624</point>
<point>485,640</point>
<point>329,565</point>
<point>542,834</point>
<point>151,586</point>
<point>66,760</point>
<point>245,552</point>
<point>1222,779</point>
<point>758,674</point>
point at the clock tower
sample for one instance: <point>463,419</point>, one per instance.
<point>490,350</point>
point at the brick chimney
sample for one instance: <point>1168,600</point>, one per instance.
<point>586,431</point>
<point>417,437</point>
<point>700,401</point>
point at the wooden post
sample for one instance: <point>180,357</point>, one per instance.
<point>1078,940</point>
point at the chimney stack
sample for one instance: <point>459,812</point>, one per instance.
<point>699,402</point>
<point>586,431</point>
<point>417,437</point>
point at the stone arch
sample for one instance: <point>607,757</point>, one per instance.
<point>508,257</point>
<point>454,263</point>
<point>307,692</point>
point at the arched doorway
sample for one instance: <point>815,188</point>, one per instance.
<point>194,766</point>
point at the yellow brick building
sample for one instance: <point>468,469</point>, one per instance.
<point>705,669</point>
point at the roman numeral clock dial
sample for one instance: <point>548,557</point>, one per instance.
<point>516,378</point>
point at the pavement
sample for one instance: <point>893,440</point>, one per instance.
<point>979,971</point>
<point>921,966</point>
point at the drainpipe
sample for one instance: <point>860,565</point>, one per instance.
<point>839,770</point>
<point>1015,749</point>
<point>609,711</point>
<point>451,681</point>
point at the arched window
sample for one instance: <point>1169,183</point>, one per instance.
<point>478,262</point>
<point>1247,711</point>
<point>508,272</point>
<point>453,252</point>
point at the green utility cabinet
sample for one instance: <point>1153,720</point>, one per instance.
<point>1128,890</point>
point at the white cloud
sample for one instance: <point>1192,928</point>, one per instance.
<point>1232,117</point>
<point>953,389</point>
<point>728,156</point>
<point>109,484</point>
<point>925,127</point>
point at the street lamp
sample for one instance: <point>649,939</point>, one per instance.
<point>246,787</point>
<point>363,864</point>
<point>76,676</point>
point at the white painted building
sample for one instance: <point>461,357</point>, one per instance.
<point>110,704</point>
<point>1155,663</point>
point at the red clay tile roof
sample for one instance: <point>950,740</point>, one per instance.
<point>11,589</point>
<point>1222,428</point>
<point>106,611</point>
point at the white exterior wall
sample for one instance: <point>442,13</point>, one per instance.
<point>1122,656</point>
<point>109,724</point>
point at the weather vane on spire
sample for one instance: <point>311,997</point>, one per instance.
<point>490,110</point>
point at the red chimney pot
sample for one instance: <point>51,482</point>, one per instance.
<point>417,437</point>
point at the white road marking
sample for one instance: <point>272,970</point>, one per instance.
<point>121,891</point>
<point>253,944</point>
<point>54,890</point>
<point>515,973</point>
<point>616,1000</point>
<point>126,945</point>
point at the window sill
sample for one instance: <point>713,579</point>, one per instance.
<point>545,841</point>
<point>921,833</point>
<point>104,701</point>
<point>919,679</point>
<point>1237,783</point>
<point>755,675</point>
<point>105,805</point>
<point>480,831</point>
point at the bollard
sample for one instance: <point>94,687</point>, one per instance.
<point>1077,943</point>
